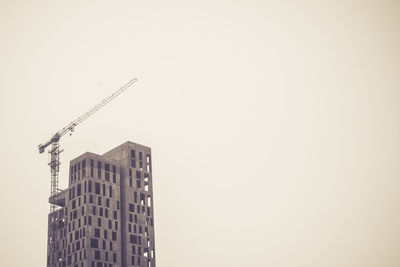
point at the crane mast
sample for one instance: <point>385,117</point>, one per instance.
<point>55,150</point>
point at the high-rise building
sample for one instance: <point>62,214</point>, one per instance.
<point>105,216</point>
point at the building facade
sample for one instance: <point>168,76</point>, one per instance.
<point>105,216</point>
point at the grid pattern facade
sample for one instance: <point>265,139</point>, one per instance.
<point>106,215</point>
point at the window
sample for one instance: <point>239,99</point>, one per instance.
<point>114,171</point>
<point>96,232</point>
<point>83,168</point>
<point>78,190</point>
<point>148,163</point>
<point>99,169</point>
<point>91,167</point>
<point>107,171</point>
<point>94,243</point>
<point>97,188</point>
<point>133,239</point>
<point>114,236</point>
<point>97,254</point>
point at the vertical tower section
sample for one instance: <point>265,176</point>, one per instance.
<point>137,214</point>
<point>105,217</point>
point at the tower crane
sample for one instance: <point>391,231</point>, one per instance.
<point>55,150</point>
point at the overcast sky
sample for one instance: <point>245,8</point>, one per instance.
<point>274,125</point>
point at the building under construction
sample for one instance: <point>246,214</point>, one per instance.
<point>105,217</point>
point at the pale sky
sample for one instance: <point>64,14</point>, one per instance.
<point>274,125</point>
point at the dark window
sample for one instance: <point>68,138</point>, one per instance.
<point>94,243</point>
<point>78,190</point>
<point>97,255</point>
<point>91,167</point>
<point>105,234</point>
<point>96,232</point>
<point>114,236</point>
<point>83,168</point>
<point>107,171</point>
<point>131,207</point>
<point>97,188</point>
<point>99,169</point>
<point>133,239</point>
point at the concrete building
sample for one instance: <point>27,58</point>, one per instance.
<point>105,216</point>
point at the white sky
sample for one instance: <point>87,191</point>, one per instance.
<point>274,125</point>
